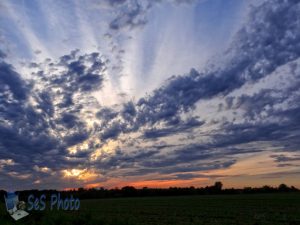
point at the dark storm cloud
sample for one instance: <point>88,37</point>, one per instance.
<point>2,55</point>
<point>187,167</point>
<point>20,122</point>
<point>176,159</point>
<point>76,138</point>
<point>68,120</point>
<point>283,158</point>
<point>122,159</point>
<point>77,75</point>
<point>128,111</point>
<point>283,174</point>
<point>14,142</point>
<point>24,133</point>
<point>11,82</point>
<point>178,127</point>
<point>60,94</point>
<point>269,115</point>
<point>113,130</point>
<point>106,114</point>
<point>45,103</point>
<point>35,127</point>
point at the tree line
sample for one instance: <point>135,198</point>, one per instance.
<point>129,191</point>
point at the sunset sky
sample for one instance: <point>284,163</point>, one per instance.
<point>153,93</point>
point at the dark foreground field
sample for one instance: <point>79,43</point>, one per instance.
<point>257,209</point>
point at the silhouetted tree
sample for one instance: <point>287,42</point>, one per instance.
<point>283,188</point>
<point>129,191</point>
<point>218,186</point>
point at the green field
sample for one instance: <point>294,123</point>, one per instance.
<point>256,209</point>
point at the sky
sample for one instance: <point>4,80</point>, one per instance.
<point>154,93</point>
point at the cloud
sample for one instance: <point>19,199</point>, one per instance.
<point>11,83</point>
<point>253,55</point>
<point>113,131</point>
<point>175,128</point>
<point>283,158</point>
<point>53,120</point>
<point>77,76</point>
<point>106,114</point>
<point>128,111</point>
<point>133,13</point>
<point>43,116</point>
<point>268,114</point>
<point>189,176</point>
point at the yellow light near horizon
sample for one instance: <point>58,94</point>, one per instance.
<point>6,162</point>
<point>72,150</point>
<point>42,169</point>
<point>109,147</point>
<point>90,122</point>
<point>80,174</point>
<point>84,146</point>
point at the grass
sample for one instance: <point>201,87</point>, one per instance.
<point>264,209</point>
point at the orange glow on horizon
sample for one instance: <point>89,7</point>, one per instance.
<point>254,170</point>
<point>151,183</point>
